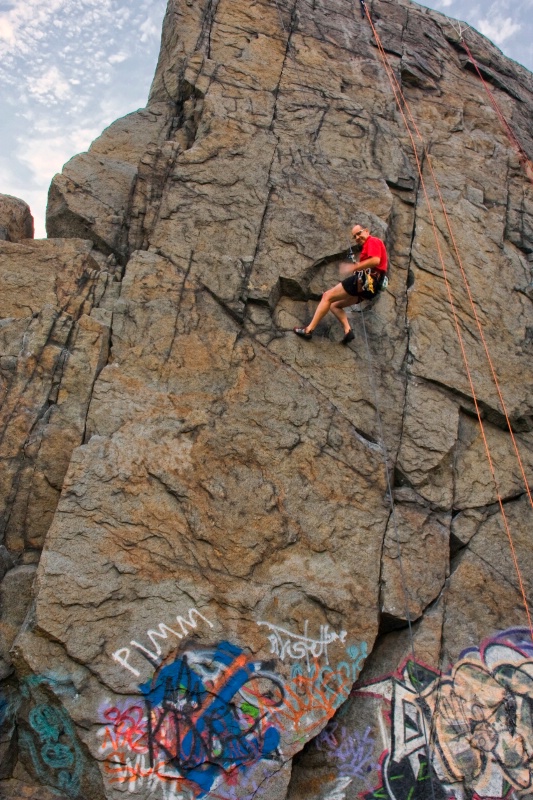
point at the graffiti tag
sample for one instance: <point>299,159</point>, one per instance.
<point>205,713</point>
<point>155,635</point>
<point>475,722</point>
<point>295,646</point>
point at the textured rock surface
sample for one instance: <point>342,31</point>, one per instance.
<point>205,495</point>
<point>16,221</point>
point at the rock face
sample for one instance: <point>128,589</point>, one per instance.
<point>212,530</point>
<point>16,221</point>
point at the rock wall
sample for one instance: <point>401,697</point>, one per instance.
<point>205,588</point>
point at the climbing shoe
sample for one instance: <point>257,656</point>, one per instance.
<point>303,333</point>
<point>348,337</point>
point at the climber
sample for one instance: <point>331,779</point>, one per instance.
<point>363,8</point>
<point>364,282</point>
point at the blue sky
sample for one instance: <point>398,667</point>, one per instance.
<point>68,68</point>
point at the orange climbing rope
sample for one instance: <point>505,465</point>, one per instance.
<point>522,155</point>
<point>383,449</point>
<point>399,97</point>
<point>467,285</point>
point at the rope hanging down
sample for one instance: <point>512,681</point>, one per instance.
<point>399,97</point>
<point>405,593</point>
<point>464,277</point>
<point>522,155</point>
<point>383,448</point>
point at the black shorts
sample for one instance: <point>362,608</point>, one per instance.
<point>364,284</point>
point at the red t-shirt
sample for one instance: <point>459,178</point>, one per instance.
<point>375,247</point>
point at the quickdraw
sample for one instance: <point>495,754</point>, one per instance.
<point>369,282</point>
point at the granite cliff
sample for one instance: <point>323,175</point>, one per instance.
<point>205,587</point>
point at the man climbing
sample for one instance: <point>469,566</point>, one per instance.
<point>363,8</point>
<point>364,283</point>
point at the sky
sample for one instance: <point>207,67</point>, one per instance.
<point>68,68</point>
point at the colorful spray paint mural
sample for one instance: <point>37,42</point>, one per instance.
<point>466,733</point>
<point>205,713</point>
<point>212,719</point>
<point>215,721</point>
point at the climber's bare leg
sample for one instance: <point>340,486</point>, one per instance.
<point>336,295</point>
<point>337,310</point>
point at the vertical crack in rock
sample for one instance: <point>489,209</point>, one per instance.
<point>178,304</point>
<point>271,188</point>
<point>158,164</point>
<point>204,39</point>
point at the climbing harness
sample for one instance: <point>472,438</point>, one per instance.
<point>383,449</point>
<point>402,103</point>
<point>370,282</point>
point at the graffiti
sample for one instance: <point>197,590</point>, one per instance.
<point>54,750</point>
<point>209,718</point>
<point>316,689</point>
<point>48,739</point>
<point>339,789</point>
<point>123,654</point>
<point>235,786</point>
<point>205,714</point>
<point>295,647</point>
<point>312,698</point>
<point>466,732</point>
<point>352,754</point>
<point>357,655</point>
<point>4,710</point>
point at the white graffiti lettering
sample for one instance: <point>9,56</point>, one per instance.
<point>122,655</point>
<point>295,647</point>
<point>339,790</point>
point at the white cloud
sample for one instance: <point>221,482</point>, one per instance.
<point>498,28</point>
<point>51,85</point>
<point>24,21</point>
<point>63,83</point>
<point>149,30</point>
<point>117,58</point>
<point>46,155</point>
<point>7,32</point>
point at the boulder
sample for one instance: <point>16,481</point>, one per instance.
<point>16,221</point>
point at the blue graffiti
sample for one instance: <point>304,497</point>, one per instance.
<point>4,710</point>
<point>50,740</point>
<point>357,655</point>
<point>206,713</point>
<point>352,752</point>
